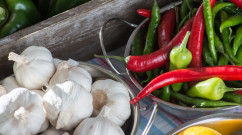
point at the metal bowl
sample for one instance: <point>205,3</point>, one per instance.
<point>177,110</point>
<point>224,123</point>
<point>131,125</point>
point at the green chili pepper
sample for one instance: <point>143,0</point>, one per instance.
<point>3,13</point>
<point>233,97</point>
<point>209,28</point>
<point>157,93</point>
<point>232,10</point>
<point>166,92</point>
<point>137,49</point>
<point>151,35</point>
<point>180,56</point>
<point>225,39</point>
<point>220,6</point>
<point>213,89</point>
<point>237,40</point>
<point>186,18</point>
<point>223,61</point>
<point>239,54</point>
<point>198,102</point>
<point>206,53</point>
<point>183,10</point>
<point>232,21</point>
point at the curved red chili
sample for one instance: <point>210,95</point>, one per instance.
<point>228,73</point>
<point>144,12</point>
<point>166,27</point>
<point>158,58</point>
<point>238,3</point>
<point>196,38</point>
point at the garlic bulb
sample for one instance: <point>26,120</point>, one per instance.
<point>2,90</point>
<point>98,126</point>
<point>67,104</point>
<point>111,100</point>
<point>57,62</point>
<point>33,68</point>
<point>69,71</point>
<point>10,83</point>
<point>52,131</point>
<point>21,113</point>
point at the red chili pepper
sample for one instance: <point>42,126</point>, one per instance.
<point>196,38</point>
<point>239,92</point>
<point>158,58</point>
<point>144,12</point>
<point>228,73</point>
<point>166,27</point>
<point>238,3</point>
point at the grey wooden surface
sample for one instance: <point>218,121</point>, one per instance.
<point>74,33</point>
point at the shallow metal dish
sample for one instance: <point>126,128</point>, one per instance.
<point>177,110</point>
<point>218,122</point>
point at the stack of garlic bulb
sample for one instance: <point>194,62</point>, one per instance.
<point>71,103</point>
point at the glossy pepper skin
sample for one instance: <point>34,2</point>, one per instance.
<point>237,40</point>
<point>158,58</point>
<point>198,102</point>
<point>225,39</point>
<point>206,53</point>
<point>232,21</point>
<point>3,13</point>
<point>209,28</point>
<point>220,6</point>
<point>166,28</point>
<point>151,35</point>
<point>196,38</point>
<point>233,97</point>
<point>237,3</point>
<point>228,73</point>
<point>23,13</point>
<point>144,12</point>
<point>213,89</point>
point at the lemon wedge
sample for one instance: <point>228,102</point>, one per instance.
<point>199,130</point>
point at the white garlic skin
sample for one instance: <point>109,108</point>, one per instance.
<point>40,92</point>
<point>2,91</point>
<point>34,67</point>
<point>10,83</point>
<point>21,113</point>
<point>52,131</point>
<point>98,126</point>
<point>67,104</point>
<point>111,100</point>
<point>70,71</point>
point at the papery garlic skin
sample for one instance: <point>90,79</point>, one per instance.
<point>52,131</point>
<point>111,100</point>
<point>10,83</point>
<point>34,67</point>
<point>2,91</point>
<point>98,126</point>
<point>67,104</point>
<point>21,113</point>
<point>40,92</point>
<point>69,71</point>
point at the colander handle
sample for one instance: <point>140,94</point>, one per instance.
<point>152,118</point>
<point>102,44</point>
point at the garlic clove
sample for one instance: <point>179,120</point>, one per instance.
<point>2,90</point>
<point>68,70</point>
<point>57,62</point>
<point>67,104</point>
<point>41,93</point>
<point>33,67</point>
<point>10,83</point>
<point>111,100</point>
<point>21,112</point>
<point>97,126</point>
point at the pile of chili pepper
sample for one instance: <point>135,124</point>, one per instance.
<point>18,14</point>
<point>202,74</point>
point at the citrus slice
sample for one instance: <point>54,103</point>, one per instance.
<point>199,130</point>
